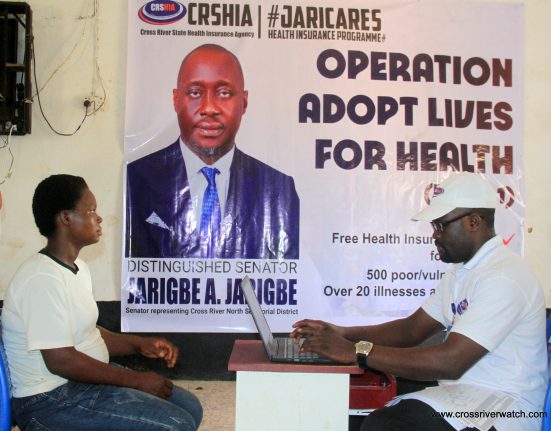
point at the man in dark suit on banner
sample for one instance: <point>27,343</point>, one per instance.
<point>202,196</point>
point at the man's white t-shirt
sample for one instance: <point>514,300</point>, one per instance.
<point>48,305</point>
<point>495,300</point>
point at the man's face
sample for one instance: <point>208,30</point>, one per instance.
<point>209,102</point>
<point>452,242</point>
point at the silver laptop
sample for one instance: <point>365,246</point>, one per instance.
<point>278,349</point>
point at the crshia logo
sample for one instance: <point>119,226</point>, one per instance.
<point>162,12</point>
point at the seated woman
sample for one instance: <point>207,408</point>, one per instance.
<point>58,357</point>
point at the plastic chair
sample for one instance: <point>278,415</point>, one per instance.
<point>5,408</point>
<point>5,404</point>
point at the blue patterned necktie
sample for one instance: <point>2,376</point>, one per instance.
<point>210,214</point>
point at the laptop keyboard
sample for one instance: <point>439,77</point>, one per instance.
<point>289,348</point>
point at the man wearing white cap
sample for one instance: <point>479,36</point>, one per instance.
<point>492,309</point>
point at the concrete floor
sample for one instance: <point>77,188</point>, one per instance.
<point>218,400</point>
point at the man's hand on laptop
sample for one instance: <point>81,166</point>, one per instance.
<point>325,339</point>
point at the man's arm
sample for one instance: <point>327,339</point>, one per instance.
<point>406,332</point>
<point>393,351</point>
<point>447,360</point>
<point>71,364</point>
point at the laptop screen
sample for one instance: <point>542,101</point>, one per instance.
<point>258,315</point>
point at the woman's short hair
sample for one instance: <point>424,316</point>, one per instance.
<point>52,195</point>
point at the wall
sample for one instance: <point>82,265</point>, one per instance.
<point>70,36</point>
<point>65,51</point>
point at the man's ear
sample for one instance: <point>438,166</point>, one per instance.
<point>245,100</point>
<point>175,99</point>
<point>475,221</point>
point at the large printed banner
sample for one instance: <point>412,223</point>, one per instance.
<point>345,115</point>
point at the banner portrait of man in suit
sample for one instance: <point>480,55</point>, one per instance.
<point>202,197</point>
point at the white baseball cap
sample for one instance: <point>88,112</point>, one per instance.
<point>463,190</point>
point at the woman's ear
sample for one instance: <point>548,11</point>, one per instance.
<point>64,217</point>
